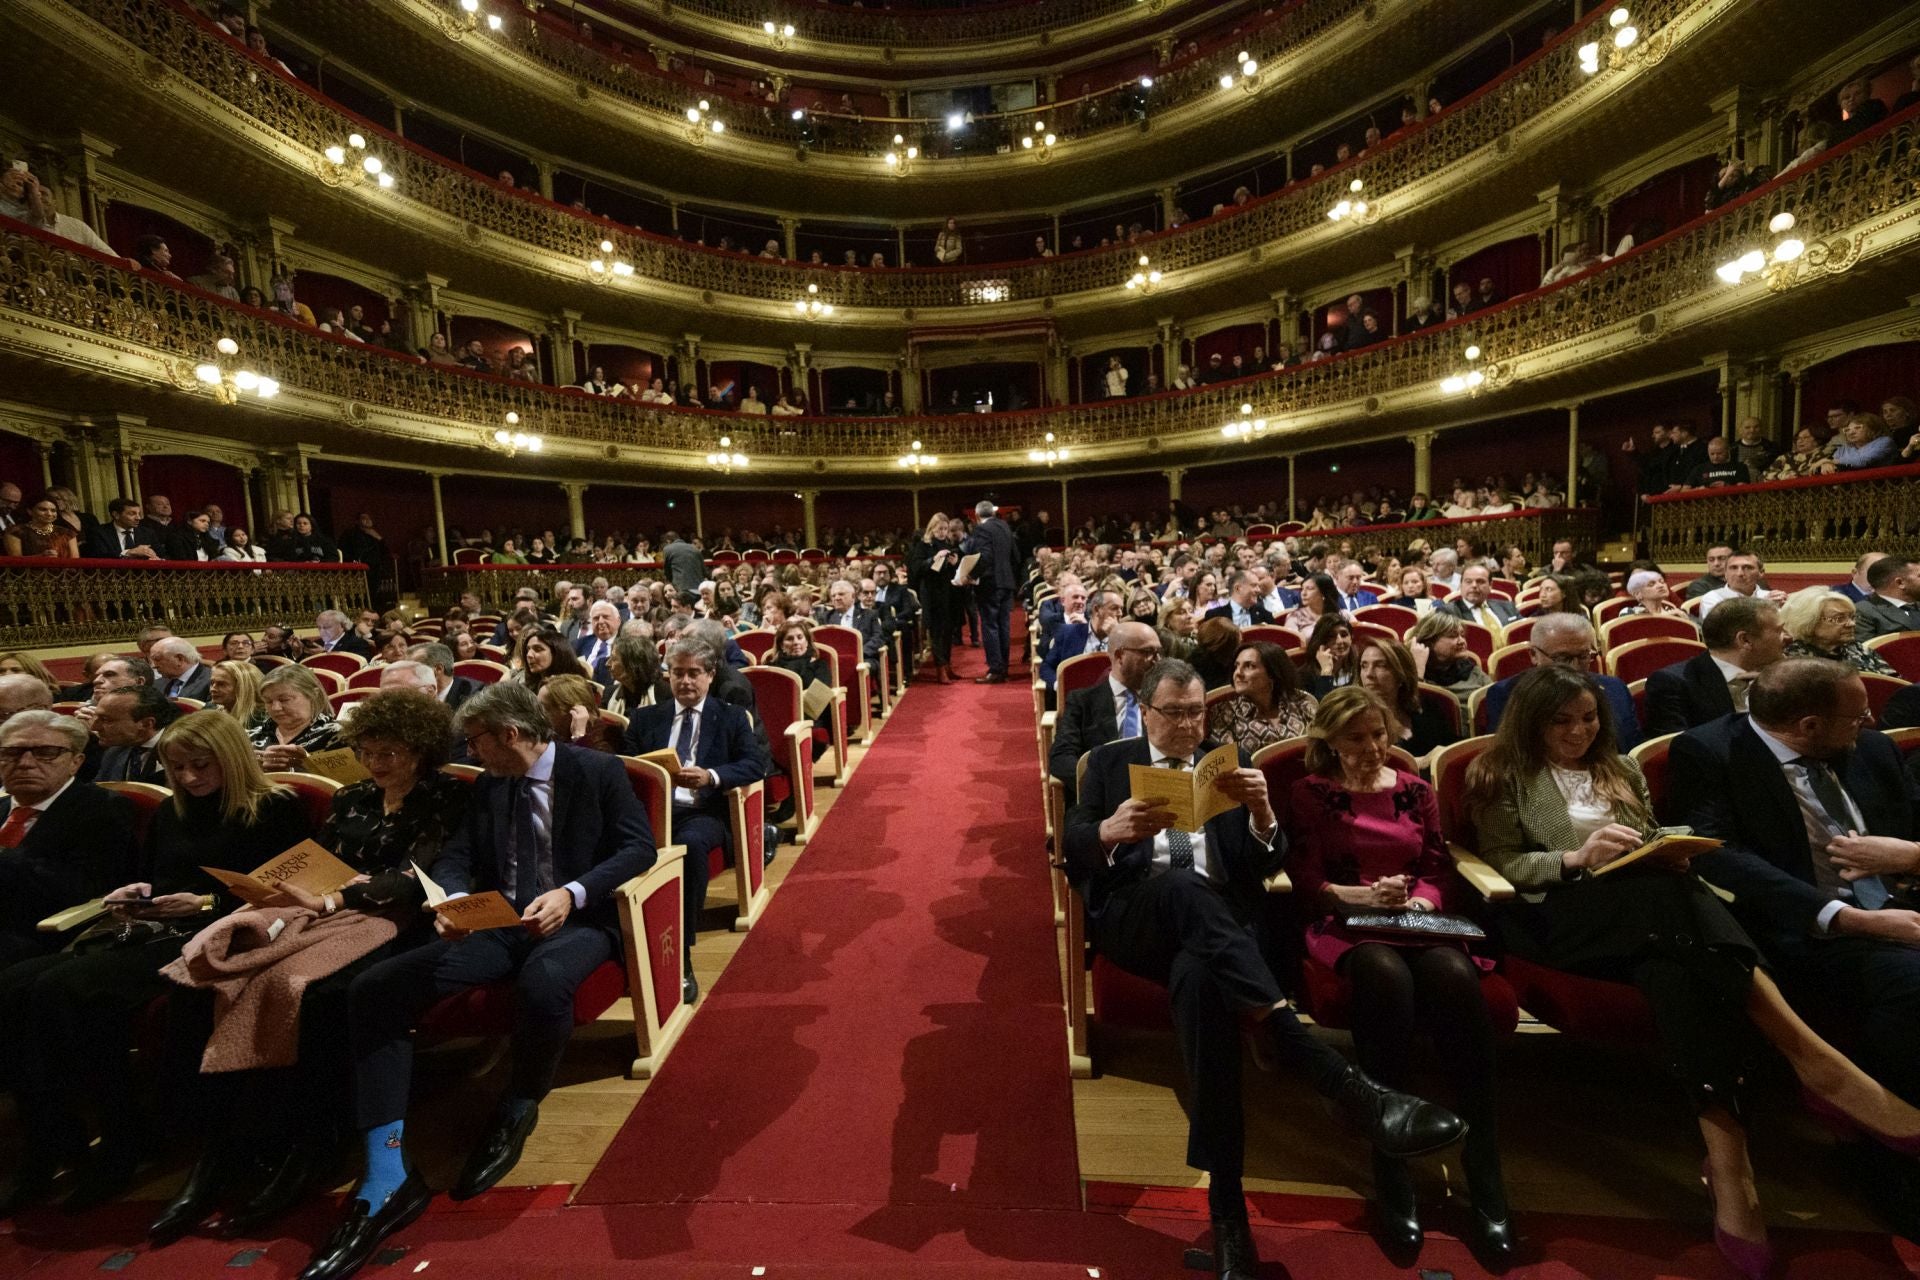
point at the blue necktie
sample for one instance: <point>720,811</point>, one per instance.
<point>683,740</point>
<point>1129,715</point>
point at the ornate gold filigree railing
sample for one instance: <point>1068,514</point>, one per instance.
<point>194,49</point>
<point>1533,531</point>
<point>554,42</point>
<point>904,28</point>
<point>1835,517</point>
<point>46,603</point>
<point>1847,187</point>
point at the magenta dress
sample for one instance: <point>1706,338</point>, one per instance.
<point>1337,836</point>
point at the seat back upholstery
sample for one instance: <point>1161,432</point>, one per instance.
<point>1273,633</point>
<point>1620,632</point>
<point>1450,766</point>
<point>1441,702</point>
<point>1901,651</point>
<point>481,671</point>
<point>1079,672</point>
<point>1651,756</point>
<point>314,791</point>
<point>147,798</point>
<point>341,664</point>
<point>1510,660</point>
<point>654,789</point>
<point>1398,617</point>
<point>1641,658</point>
<point>1880,691</point>
<point>776,695</point>
<point>756,644</point>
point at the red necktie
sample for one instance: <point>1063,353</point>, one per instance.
<point>14,830</point>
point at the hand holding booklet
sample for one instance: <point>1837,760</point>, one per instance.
<point>1668,848</point>
<point>471,912</point>
<point>305,866</point>
<point>1193,796</point>
<point>964,576</point>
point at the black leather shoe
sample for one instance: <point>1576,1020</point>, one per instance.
<point>689,989</point>
<point>289,1183</point>
<point>1234,1257</point>
<point>772,843</point>
<point>107,1174</point>
<point>1398,1124</point>
<point>360,1234</point>
<point>992,677</point>
<point>194,1201</point>
<point>1396,1210</point>
<point>497,1153</point>
<point>1493,1243</point>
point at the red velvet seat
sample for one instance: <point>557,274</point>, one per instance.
<point>777,696</point>
<point>488,1010</point>
<point>1398,617</point>
<point>756,644</point>
<point>1273,633</point>
<point>1328,998</point>
<point>1901,651</point>
<point>1641,658</point>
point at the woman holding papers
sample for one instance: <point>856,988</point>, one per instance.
<point>931,561</point>
<point>1553,803</point>
<point>298,719</point>
<point>797,654</point>
<point>271,1124</point>
<point>1366,838</point>
<point>86,1008</point>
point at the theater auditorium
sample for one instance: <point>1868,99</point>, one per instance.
<point>1029,639</point>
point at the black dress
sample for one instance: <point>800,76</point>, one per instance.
<point>361,833</point>
<point>937,593</point>
<point>810,667</point>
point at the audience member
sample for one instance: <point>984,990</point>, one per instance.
<point>299,719</point>
<point>1894,605</point>
<point>1268,705</point>
<point>1820,624</point>
<point>1386,669</point>
<point>1743,571</point>
<point>1566,640</point>
<point>1743,636</point>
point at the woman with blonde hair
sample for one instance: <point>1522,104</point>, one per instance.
<point>1552,801</point>
<point>299,718</point>
<point>19,663</point>
<point>572,704</point>
<point>932,559</point>
<point>1176,627</point>
<point>1412,588</point>
<point>1819,624</point>
<point>234,687</point>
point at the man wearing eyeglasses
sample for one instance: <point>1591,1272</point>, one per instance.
<point>1820,820</point>
<point>1566,639</point>
<point>1177,908</point>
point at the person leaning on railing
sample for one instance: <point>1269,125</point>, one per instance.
<point>1866,445</point>
<point>1809,456</point>
<point>40,532</point>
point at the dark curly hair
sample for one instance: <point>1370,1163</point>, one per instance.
<point>413,718</point>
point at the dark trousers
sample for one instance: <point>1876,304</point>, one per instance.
<point>1875,985</point>
<point>385,1002</point>
<point>701,832</point>
<point>996,620</point>
<point>1176,929</point>
<point>937,610</point>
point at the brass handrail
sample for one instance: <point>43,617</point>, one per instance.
<point>908,28</point>
<point>1846,187</point>
<point>48,602</point>
<point>194,48</point>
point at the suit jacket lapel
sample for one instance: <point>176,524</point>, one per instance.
<point>1543,812</point>
<point>564,768</point>
<point>1749,757</point>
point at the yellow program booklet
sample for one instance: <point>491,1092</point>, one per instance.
<point>473,912</point>
<point>306,866</point>
<point>1193,796</point>
<point>340,764</point>
<point>1663,848</point>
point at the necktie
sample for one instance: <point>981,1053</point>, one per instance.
<point>15,828</point>
<point>1739,687</point>
<point>136,764</point>
<point>683,738</point>
<point>1129,715</point>
<point>173,688</point>
<point>521,843</point>
<point>1179,843</point>
<point>1869,892</point>
<point>126,539</point>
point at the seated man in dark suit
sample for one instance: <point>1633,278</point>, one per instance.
<point>1477,603</point>
<point>595,645</point>
<point>449,688</point>
<point>1176,908</point>
<point>897,604</point>
<point>718,750</point>
<point>1894,605</point>
<point>127,725</point>
<point>1243,606</point>
<point>1567,638</point>
<point>1348,580</point>
<point>1070,605</point>
<point>1743,637</point>
<point>1099,713</point>
<point>1076,638</point>
<point>557,830</point>
<point>843,609</point>
<point>123,536</point>
<point>181,673</point>
<point>1902,710</point>
<point>338,636</point>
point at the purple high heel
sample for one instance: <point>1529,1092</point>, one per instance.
<point>1845,1126</point>
<point>1752,1259</point>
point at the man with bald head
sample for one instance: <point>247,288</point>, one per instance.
<point>182,674</point>
<point>1110,709</point>
<point>1566,639</point>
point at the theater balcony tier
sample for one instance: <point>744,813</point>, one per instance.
<point>210,121</point>
<point>537,82</point>
<point>1816,518</point>
<point>86,334</point>
<point>50,604</point>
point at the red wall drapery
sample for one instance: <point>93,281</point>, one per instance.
<point>192,483</point>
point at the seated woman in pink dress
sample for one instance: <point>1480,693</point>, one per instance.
<point>1365,837</point>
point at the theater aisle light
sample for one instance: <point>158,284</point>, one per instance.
<point>1775,263</point>
<point>511,440</point>
<point>353,161</point>
<point>811,306</point>
<point>1351,205</point>
<point>778,33</point>
<point>917,457</point>
<point>1144,278</point>
<point>1246,425</point>
<point>726,458</point>
<point>1049,452</point>
<point>227,379</point>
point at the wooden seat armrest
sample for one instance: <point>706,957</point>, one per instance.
<point>1049,719</point>
<point>800,734</point>
<point>73,917</point>
<point>1480,875</point>
<point>666,860</point>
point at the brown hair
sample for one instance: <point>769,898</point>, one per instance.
<point>1519,749</point>
<point>1340,708</point>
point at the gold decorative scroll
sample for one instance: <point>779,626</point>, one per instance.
<point>51,603</point>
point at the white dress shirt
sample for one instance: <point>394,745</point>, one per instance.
<point>685,795</point>
<point>37,809</point>
<point>1731,673</point>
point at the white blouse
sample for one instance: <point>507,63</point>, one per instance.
<point>1586,810</point>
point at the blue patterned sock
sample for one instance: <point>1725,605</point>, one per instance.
<point>386,1165</point>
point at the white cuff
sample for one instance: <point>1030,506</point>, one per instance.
<point>1823,923</point>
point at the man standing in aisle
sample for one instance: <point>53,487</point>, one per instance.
<point>995,576</point>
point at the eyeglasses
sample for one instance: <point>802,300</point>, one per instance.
<point>45,755</point>
<point>1862,718</point>
<point>472,739</point>
<point>1178,713</point>
<point>1580,658</point>
<point>388,757</point>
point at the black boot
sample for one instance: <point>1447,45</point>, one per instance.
<point>1491,1236</point>
<point>1234,1256</point>
<point>288,1182</point>
<point>210,1175</point>
<point>1396,1210</point>
<point>1398,1124</point>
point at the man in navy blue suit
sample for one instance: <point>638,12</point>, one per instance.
<point>595,645</point>
<point>1076,638</point>
<point>1567,638</point>
<point>718,749</point>
<point>1351,596</point>
<point>557,830</point>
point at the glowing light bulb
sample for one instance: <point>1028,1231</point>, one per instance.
<point>1729,272</point>
<point>207,373</point>
<point>787,30</point>
<point>336,155</point>
<point>913,153</point>
<point>1625,36</point>
<point>513,419</point>
<point>1048,140</point>
<point>246,379</point>
<point>357,142</point>
<point>704,105</point>
<point>597,266</point>
<point>1146,82</point>
<point>267,389</point>
<point>536,444</point>
<point>386,181</point>
<point>1472,352</point>
<point>501,437</point>
<point>1618,18</point>
<point>1226,82</point>
<point>1355,186</point>
<point>719,126</point>
<point>1453,386</point>
<point>1781,222</point>
<point>1789,249</point>
<point>372,164</point>
<point>1250,67</point>
<point>227,347</point>
<point>493,22</point>
<point>767,27</point>
<point>1752,260</point>
<point>1026,144</point>
<point>470,6</point>
<point>693,115</point>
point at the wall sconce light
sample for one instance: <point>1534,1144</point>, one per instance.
<point>227,380</point>
<point>1145,279</point>
<point>353,162</point>
<point>1050,452</point>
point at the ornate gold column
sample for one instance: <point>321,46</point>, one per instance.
<point>246,497</point>
<point>440,518</point>
<point>1292,505</point>
<point>561,330</point>
<point>1174,476</point>
<point>1422,442</point>
<point>577,514</point>
<point>699,515</point>
<point>788,228</point>
<point>1573,455</point>
<point>1066,521</point>
<point>806,507</point>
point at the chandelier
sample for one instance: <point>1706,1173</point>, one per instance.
<point>916,457</point>
<point>1145,278</point>
<point>811,306</point>
<point>1040,141</point>
<point>226,379</point>
<point>900,159</point>
<point>1470,381</point>
<point>726,458</point>
<point>601,268</point>
<point>1247,425</point>
<point>1787,248</point>
<point>510,442</point>
<point>470,17</point>
<point>1249,69</point>
<point>1350,206</point>
<point>1624,35</point>
<point>700,124</point>
<point>1050,451</point>
<point>354,161</point>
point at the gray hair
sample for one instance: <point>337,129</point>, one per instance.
<point>502,705</point>
<point>1174,669</point>
<point>334,616</point>
<point>1641,579</point>
<point>175,645</point>
<point>419,673</point>
<point>67,727</point>
<point>695,647</point>
<point>23,690</point>
<point>983,508</point>
<point>1444,558</point>
<point>435,655</point>
<point>1560,626</point>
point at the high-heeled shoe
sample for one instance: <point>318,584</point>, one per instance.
<point>1846,1126</point>
<point>195,1200</point>
<point>1753,1259</point>
<point>1493,1243</point>
<point>1396,1209</point>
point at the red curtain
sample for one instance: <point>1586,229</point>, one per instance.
<point>1513,265</point>
<point>1535,442</point>
<point>1866,377</point>
<point>400,501</point>
<point>1662,202</point>
<point>20,464</point>
<point>126,223</point>
<point>322,291</point>
<point>496,337</point>
<point>629,365</point>
<point>864,509</point>
<point>192,483</point>
<point>628,511</point>
<point>1235,340</point>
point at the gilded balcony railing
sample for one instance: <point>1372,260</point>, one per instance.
<point>1534,531</point>
<point>558,45</point>
<point>1821,518</point>
<point>903,28</point>
<point>46,603</point>
<point>1849,186</point>
<point>196,50</point>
